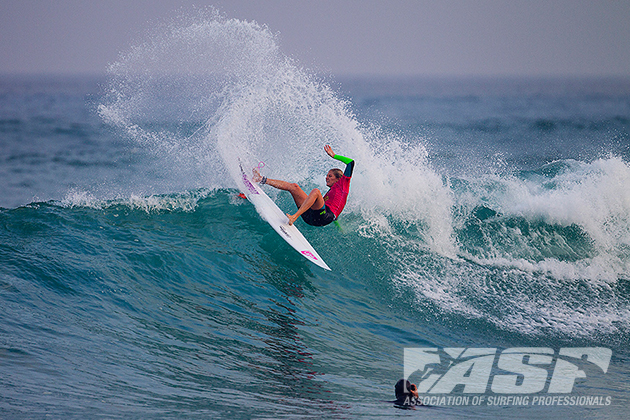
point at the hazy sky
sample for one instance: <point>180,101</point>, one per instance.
<point>382,37</point>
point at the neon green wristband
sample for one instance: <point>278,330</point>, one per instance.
<point>343,159</point>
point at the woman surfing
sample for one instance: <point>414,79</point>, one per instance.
<point>315,209</point>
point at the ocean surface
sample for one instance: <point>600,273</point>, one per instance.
<point>488,213</point>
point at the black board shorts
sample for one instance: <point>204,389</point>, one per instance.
<point>321,217</point>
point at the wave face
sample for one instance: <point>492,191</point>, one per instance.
<point>481,214</point>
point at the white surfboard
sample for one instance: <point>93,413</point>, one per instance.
<point>279,221</point>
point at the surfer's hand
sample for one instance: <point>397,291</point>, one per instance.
<point>329,150</point>
<point>257,177</point>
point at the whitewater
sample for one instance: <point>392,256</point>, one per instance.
<point>135,283</point>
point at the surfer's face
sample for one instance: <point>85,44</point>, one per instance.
<point>331,179</point>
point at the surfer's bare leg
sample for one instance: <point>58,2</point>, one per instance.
<point>296,192</point>
<point>299,196</point>
<point>303,201</point>
<point>313,201</point>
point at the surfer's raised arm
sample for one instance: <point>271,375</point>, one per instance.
<point>349,162</point>
<point>315,209</point>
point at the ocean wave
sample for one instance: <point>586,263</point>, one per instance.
<point>230,96</point>
<point>186,201</point>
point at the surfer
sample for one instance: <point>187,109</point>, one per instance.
<point>406,394</point>
<point>315,209</point>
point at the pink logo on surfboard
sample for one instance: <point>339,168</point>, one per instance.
<point>247,183</point>
<point>309,254</point>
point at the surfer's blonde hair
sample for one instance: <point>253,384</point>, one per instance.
<point>338,172</point>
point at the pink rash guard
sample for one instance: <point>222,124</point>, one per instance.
<point>336,197</point>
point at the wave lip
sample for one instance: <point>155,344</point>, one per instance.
<point>186,201</point>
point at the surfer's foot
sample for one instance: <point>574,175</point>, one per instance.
<point>292,218</point>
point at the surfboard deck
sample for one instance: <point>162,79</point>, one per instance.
<point>278,220</point>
